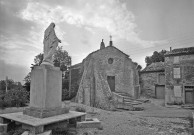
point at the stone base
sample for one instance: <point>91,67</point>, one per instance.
<point>39,125</point>
<point>44,113</point>
<point>89,123</point>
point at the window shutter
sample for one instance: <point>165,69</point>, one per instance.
<point>176,72</point>
<point>177,91</point>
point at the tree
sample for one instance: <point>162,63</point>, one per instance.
<point>38,59</point>
<point>27,80</point>
<point>139,67</point>
<point>10,84</point>
<point>61,59</point>
<point>156,57</point>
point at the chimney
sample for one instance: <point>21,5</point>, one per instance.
<point>102,45</point>
<point>170,49</point>
<point>110,43</point>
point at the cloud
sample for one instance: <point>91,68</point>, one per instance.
<point>111,15</point>
<point>17,50</point>
<point>15,72</point>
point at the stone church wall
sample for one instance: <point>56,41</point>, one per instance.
<point>94,89</point>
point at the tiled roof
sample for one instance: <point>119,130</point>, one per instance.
<point>157,66</point>
<point>181,51</point>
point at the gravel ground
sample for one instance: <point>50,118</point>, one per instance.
<point>130,123</point>
<point>154,120</point>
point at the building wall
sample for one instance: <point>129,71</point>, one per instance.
<point>149,80</point>
<point>122,68</point>
<point>94,78</point>
<point>186,65</point>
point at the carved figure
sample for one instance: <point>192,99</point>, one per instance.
<point>50,44</point>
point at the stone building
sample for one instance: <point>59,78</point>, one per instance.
<point>105,73</point>
<point>152,81</point>
<point>179,74</point>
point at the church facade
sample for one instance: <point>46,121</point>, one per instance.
<point>105,73</point>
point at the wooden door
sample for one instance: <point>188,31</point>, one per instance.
<point>189,94</point>
<point>160,91</point>
<point>111,82</point>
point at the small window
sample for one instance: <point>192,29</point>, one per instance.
<point>110,60</point>
<point>176,72</point>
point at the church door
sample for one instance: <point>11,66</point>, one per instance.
<point>111,82</point>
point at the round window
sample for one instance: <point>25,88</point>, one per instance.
<point>110,60</point>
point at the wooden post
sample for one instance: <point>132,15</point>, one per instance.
<point>70,81</point>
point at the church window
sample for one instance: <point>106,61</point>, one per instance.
<point>110,60</point>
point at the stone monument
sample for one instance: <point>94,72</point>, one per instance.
<point>46,82</point>
<point>46,110</point>
<point>50,44</point>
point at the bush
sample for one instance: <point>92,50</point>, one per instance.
<point>2,104</point>
<point>65,94</point>
<point>16,98</point>
<point>80,109</point>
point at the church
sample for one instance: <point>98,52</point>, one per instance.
<point>104,76</point>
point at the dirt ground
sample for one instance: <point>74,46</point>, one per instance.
<point>154,120</point>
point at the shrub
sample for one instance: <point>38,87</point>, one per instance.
<point>2,104</point>
<point>68,96</point>
<point>65,94</point>
<point>80,109</point>
<point>74,89</point>
<point>16,98</point>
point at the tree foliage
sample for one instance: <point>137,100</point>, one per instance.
<point>38,59</point>
<point>61,59</point>
<point>10,85</point>
<point>156,57</point>
<point>27,81</point>
<point>15,96</point>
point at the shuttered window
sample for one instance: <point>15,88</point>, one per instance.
<point>177,91</point>
<point>176,72</point>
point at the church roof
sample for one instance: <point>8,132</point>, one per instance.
<point>78,65</point>
<point>108,47</point>
<point>119,50</point>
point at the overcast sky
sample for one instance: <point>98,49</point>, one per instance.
<point>138,27</point>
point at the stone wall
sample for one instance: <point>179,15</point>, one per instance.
<point>148,83</point>
<point>76,74</point>
<point>186,64</point>
<point>94,89</point>
<point>122,68</point>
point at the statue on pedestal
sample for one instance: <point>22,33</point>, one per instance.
<point>50,44</point>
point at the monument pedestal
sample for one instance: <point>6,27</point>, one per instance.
<point>46,111</point>
<point>46,92</point>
